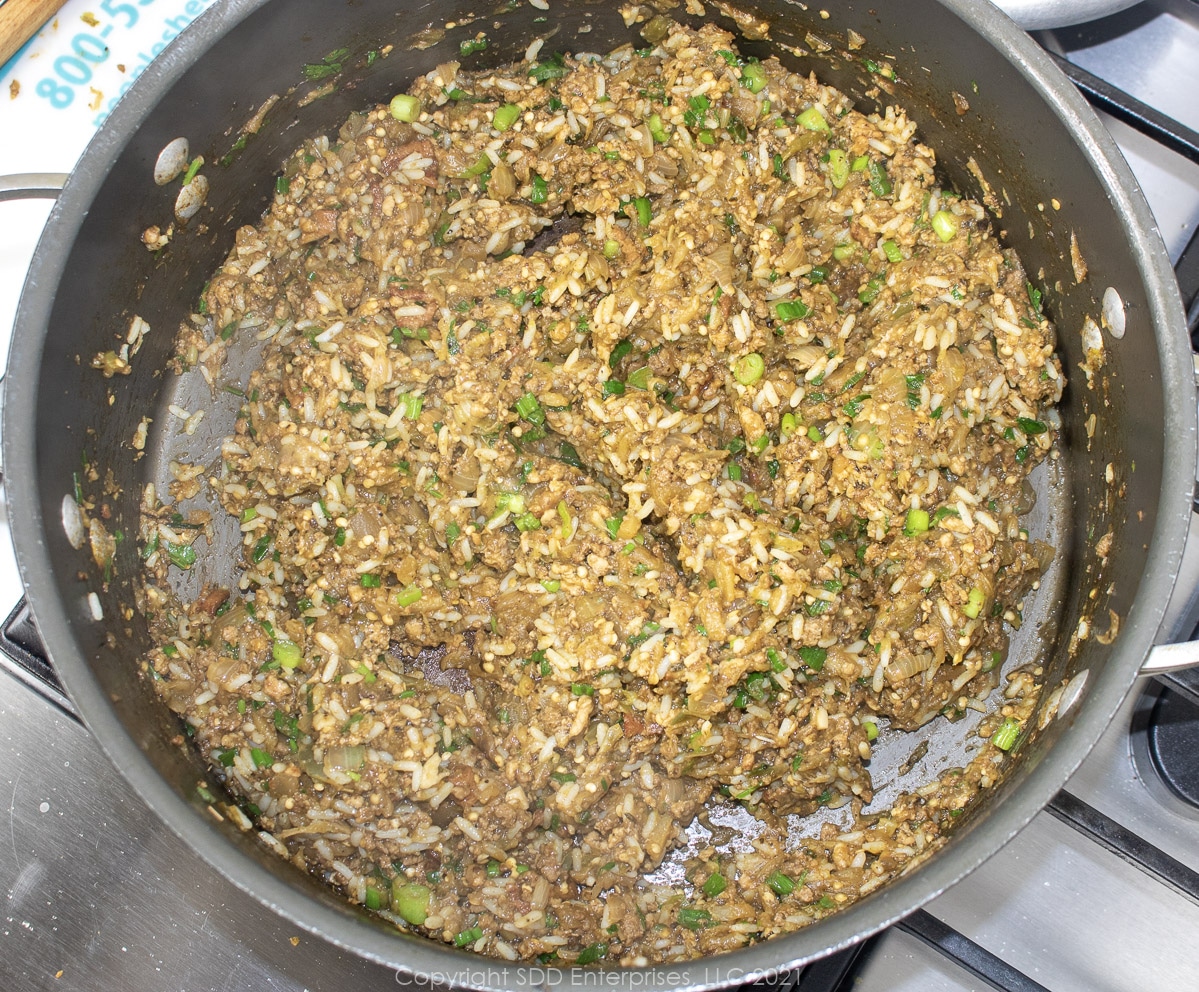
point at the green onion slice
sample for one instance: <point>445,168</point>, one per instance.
<point>753,77</point>
<point>505,116</point>
<point>408,595</point>
<point>411,901</point>
<point>945,225</point>
<point>749,368</point>
<point>791,310</point>
<point>813,120</point>
<point>1005,737</point>
<point>405,108</point>
<point>780,884</point>
<point>838,168</point>
<point>287,654</point>
<point>916,523</point>
<point>880,182</point>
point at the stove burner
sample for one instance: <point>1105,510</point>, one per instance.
<point>1172,735</point>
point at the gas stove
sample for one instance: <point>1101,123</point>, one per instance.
<point>1100,891</point>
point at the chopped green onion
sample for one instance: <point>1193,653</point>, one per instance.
<point>505,116</point>
<point>482,164</point>
<point>648,629</point>
<point>582,689</point>
<point>860,163</point>
<point>694,919</point>
<point>943,512</point>
<point>408,595</point>
<point>452,532</point>
<point>753,77</point>
<point>193,169</point>
<point>622,348</point>
<point>842,252</point>
<point>611,248</point>
<point>282,185</point>
<point>880,183</point>
<point>592,953</point>
<point>974,603</point>
<point>411,901</point>
<point>184,555</point>
<point>261,758</point>
<point>657,129</point>
<point>644,209</point>
<point>749,368</point>
<point>527,522</point>
<point>612,387</point>
<point>370,581</point>
<point>891,250</point>
<point>248,514</point>
<point>813,657</point>
<point>945,224</point>
<point>639,378</point>
<point>377,895</point>
<point>339,536</point>
<point>812,119</point>
<point>552,68</point>
<point>405,108</point>
<point>287,654</point>
<point>530,409</point>
<point>788,425</point>
<point>838,168</point>
<point>791,309</point>
<point>493,869</point>
<point>1005,737</point>
<point>714,885</point>
<point>540,190</point>
<point>869,293</point>
<point>871,729</point>
<point>551,585</point>
<point>780,884</point>
<point>815,434</point>
<point>1030,426</point>
<point>916,522</point>
<point>697,114</point>
<point>818,274</point>
<point>564,516</point>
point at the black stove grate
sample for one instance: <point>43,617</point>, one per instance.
<point>22,653</point>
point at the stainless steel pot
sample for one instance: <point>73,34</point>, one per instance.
<point>1004,122</point>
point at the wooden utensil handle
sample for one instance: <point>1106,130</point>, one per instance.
<point>19,20</point>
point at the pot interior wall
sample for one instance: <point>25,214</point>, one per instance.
<point>1048,191</point>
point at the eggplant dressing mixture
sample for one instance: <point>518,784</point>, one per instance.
<point>636,438</point>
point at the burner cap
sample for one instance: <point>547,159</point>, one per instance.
<point>1173,739</point>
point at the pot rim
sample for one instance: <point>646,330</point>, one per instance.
<point>350,929</point>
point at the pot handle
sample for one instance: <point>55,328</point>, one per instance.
<point>32,185</point>
<point>1182,613</point>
